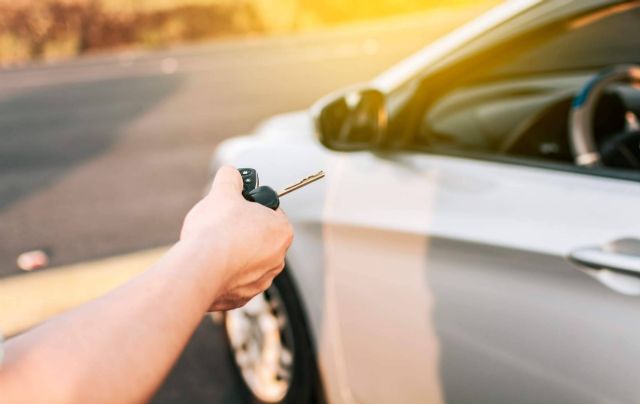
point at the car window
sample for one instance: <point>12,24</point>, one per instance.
<point>517,104</point>
<point>594,41</point>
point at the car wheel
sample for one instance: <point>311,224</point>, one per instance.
<point>271,349</point>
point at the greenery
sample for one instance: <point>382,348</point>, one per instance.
<point>49,29</point>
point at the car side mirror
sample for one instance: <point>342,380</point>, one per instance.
<point>355,119</point>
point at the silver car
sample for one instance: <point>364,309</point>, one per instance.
<point>477,237</point>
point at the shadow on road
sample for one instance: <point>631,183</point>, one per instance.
<point>202,374</point>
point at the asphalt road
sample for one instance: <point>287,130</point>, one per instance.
<point>105,154</point>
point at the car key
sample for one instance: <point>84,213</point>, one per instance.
<point>268,197</point>
<point>302,183</point>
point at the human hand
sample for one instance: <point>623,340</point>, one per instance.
<point>250,239</point>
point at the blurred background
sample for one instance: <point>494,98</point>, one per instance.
<point>53,29</point>
<point>109,113</point>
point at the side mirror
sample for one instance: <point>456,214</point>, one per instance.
<point>355,119</point>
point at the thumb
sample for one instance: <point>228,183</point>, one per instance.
<point>227,182</point>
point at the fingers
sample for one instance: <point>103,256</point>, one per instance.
<point>288,230</point>
<point>227,182</point>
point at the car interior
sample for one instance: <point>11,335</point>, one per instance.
<point>517,102</point>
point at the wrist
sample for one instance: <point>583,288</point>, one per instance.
<point>208,262</point>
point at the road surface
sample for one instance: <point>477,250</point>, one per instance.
<point>105,154</point>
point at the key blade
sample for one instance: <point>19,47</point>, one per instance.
<point>304,182</point>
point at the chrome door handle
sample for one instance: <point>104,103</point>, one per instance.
<point>596,258</point>
<point>616,265</point>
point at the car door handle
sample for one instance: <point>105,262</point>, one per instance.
<point>617,264</point>
<point>596,258</point>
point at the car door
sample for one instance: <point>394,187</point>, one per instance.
<point>452,282</point>
<point>449,276</point>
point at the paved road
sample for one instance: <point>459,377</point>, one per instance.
<point>105,155</point>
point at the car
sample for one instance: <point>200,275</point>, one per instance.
<point>476,238</point>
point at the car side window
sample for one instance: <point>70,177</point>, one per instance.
<point>518,104</point>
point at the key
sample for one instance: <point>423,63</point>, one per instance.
<point>268,197</point>
<point>303,183</point>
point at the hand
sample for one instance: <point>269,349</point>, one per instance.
<point>251,239</point>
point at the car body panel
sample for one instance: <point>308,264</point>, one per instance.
<point>514,320</point>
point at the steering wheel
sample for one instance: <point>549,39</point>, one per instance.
<point>618,150</point>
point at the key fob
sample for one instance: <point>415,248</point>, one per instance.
<point>250,180</point>
<point>253,192</point>
<point>265,196</point>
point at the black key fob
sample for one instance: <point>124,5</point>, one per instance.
<point>265,196</point>
<point>250,180</point>
<point>253,192</point>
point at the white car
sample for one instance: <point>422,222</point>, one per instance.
<point>477,236</point>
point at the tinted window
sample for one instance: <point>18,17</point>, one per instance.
<point>518,103</point>
<point>604,38</point>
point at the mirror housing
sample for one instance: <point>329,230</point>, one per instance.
<point>354,119</point>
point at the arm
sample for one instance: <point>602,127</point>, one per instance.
<point>120,347</point>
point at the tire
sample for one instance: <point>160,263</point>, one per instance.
<point>250,334</point>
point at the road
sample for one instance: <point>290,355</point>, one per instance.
<point>104,155</point>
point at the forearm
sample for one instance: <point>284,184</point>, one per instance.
<point>120,347</point>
